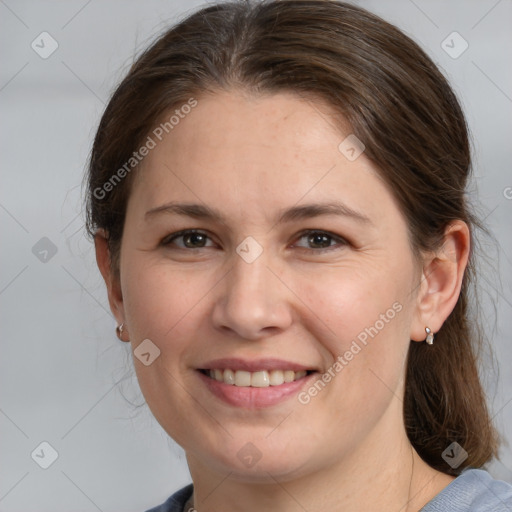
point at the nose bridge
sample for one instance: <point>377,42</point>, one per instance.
<point>252,302</point>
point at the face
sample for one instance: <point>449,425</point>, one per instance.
<point>276,279</point>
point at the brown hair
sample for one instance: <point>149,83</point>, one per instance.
<point>395,100</point>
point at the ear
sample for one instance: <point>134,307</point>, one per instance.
<point>103,259</point>
<point>441,280</point>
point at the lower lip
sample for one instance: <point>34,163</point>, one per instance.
<point>253,398</point>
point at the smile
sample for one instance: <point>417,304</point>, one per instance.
<point>254,384</point>
<point>259,379</point>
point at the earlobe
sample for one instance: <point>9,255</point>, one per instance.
<point>441,280</point>
<point>103,260</point>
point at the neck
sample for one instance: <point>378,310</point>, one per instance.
<point>380,476</point>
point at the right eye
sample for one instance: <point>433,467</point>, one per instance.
<point>187,239</point>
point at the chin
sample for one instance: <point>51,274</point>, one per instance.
<point>258,462</point>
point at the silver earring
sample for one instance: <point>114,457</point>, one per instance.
<point>119,331</point>
<point>430,336</point>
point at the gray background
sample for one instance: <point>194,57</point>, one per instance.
<point>65,378</point>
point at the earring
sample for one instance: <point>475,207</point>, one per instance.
<point>119,331</point>
<point>430,336</point>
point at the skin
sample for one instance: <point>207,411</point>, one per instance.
<point>250,158</point>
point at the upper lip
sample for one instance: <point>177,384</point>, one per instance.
<point>253,365</point>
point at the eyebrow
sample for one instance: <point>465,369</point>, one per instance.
<point>295,213</point>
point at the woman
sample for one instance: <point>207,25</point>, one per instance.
<point>276,195</point>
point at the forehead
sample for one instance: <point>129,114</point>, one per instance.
<point>244,152</point>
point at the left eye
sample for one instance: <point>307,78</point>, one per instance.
<point>320,240</point>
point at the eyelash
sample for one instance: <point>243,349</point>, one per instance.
<point>167,241</point>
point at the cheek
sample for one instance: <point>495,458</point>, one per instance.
<point>355,301</point>
<point>367,313</point>
<point>158,299</point>
<point>163,305</point>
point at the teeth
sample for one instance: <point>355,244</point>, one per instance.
<point>229,377</point>
<point>261,379</point>
<point>289,376</point>
<point>276,377</point>
<point>241,378</point>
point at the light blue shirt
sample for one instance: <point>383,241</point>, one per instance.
<point>473,491</point>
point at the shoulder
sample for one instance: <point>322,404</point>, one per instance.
<point>474,490</point>
<point>176,502</point>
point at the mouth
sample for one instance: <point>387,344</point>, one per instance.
<point>254,384</point>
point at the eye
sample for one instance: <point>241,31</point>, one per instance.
<point>320,240</point>
<point>188,239</point>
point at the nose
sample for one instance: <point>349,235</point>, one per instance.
<point>252,301</point>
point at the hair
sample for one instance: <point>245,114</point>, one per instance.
<point>395,101</point>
